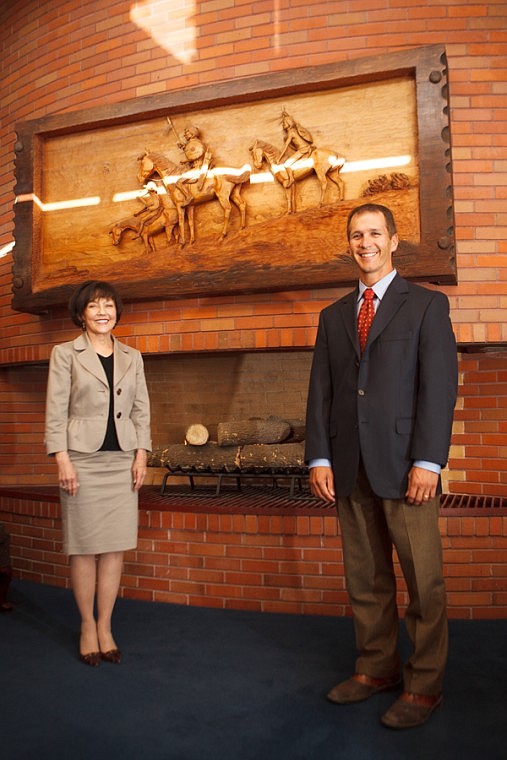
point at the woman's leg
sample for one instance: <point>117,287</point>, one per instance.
<point>83,575</point>
<point>109,572</point>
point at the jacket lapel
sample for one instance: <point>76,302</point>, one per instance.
<point>122,361</point>
<point>88,359</point>
<point>394,297</point>
<point>349,315</point>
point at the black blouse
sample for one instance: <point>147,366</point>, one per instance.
<point>110,442</point>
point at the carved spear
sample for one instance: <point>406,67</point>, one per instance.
<point>172,127</point>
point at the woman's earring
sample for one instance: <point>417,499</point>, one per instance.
<point>83,326</point>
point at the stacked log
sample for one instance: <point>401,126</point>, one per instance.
<point>256,445</point>
<point>280,458</point>
<point>297,431</point>
<point>180,457</point>
<point>243,432</point>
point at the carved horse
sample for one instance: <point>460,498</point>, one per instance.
<point>326,164</point>
<point>224,187</point>
<point>167,222</point>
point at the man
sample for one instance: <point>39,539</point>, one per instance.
<point>378,432</point>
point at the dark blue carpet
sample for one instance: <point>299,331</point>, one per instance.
<point>203,684</point>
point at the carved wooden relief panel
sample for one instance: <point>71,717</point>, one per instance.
<point>240,187</point>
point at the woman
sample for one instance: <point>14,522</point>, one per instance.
<point>98,429</point>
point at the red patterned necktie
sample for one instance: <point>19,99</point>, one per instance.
<point>365,317</point>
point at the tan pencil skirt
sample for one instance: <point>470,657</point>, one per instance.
<point>103,515</point>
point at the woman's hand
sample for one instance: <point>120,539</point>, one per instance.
<point>139,469</point>
<point>67,475</point>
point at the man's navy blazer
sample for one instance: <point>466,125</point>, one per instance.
<point>394,404</point>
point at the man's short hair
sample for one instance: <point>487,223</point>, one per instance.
<point>377,208</point>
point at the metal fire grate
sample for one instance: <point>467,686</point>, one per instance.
<point>276,500</point>
<point>267,500</point>
<point>294,480</point>
<point>474,505</point>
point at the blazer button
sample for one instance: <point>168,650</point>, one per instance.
<point>361,392</point>
<point>118,415</point>
<point>118,392</point>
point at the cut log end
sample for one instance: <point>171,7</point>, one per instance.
<point>197,435</point>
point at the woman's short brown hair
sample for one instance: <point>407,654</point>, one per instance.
<point>89,291</point>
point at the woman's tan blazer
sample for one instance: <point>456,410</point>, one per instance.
<point>77,402</point>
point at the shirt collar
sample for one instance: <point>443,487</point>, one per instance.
<point>380,287</point>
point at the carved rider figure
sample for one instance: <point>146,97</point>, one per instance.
<point>197,156</point>
<point>298,138</point>
<point>153,208</point>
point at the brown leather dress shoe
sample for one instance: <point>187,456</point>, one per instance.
<point>411,710</point>
<point>361,687</point>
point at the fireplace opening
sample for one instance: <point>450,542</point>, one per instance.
<point>210,388</point>
<point>215,390</point>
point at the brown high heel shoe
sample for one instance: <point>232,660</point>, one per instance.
<point>113,655</point>
<point>92,658</point>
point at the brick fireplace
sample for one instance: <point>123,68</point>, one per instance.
<point>259,554</point>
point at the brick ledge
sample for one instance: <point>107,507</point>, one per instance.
<point>257,500</point>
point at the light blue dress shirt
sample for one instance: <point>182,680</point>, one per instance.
<point>379,289</point>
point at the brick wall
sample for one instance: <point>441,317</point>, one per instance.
<point>478,457</point>
<point>267,563</point>
<point>68,55</point>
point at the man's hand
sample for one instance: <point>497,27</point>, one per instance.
<point>422,486</point>
<point>322,483</point>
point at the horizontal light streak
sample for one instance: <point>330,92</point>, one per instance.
<point>93,200</point>
<point>387,162</point>
<point>130,195</point>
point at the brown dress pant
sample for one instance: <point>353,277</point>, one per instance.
<point>370,526</point>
